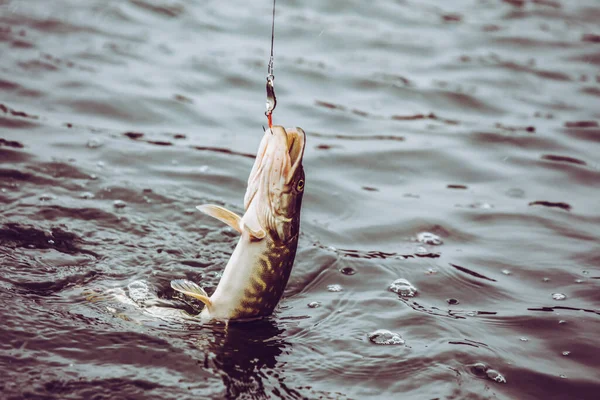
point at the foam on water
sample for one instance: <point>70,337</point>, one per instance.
<point>334,288</point>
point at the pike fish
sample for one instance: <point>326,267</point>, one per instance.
<point>259,268</point>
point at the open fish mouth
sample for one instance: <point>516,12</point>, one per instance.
<point>276,181</point>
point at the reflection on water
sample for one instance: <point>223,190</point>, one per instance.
<point>450,208</point>
<point>246,356</point>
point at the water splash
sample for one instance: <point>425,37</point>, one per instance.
<point>139,291</point>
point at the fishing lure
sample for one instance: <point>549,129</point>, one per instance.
<point>271,98</point>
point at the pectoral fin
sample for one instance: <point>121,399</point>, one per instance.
<point>191,289</point>
<point>232,219</point>
<point>255,234</point>
<point>223,215</point>
<point>251,225</point>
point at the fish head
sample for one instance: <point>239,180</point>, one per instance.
<point>276,184</point>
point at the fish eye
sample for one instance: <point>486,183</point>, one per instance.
<point>300,185</point>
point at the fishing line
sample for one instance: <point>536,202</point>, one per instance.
<point>271,99</point>
<point>272,36</point>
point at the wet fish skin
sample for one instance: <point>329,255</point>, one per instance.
<point>259,268</point>
<point>268,281</point>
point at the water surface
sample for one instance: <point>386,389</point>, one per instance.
<point>454,145</point>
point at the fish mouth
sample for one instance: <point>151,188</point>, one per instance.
<point>272,181</point>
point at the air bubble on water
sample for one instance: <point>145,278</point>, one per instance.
<point>138,291</point>
<point>46,197</point>
<point>93,177</point>
<point>86,195</point>
<point>94,143</point>
<point>204,168</point>
<point>479,369</point>
<point>385,337</point>
<point>559,296</point>
<point>545,279</point>
<point>429,238</point>
<point>483,371</point>
<point>524,339</point>
<point>3,190</point>
<point>479,205</point>
<point>585,272</point>
<point>100,164</point>
<point>403,288</point>
<point>563,376</point>
<point>515,193</point>
<point>421,250</point>
<point>50,241</point>
<point>566,353</point>
<point>119,204</point>
<point>506,272</point>
<point>562,321</point>
<point>348,271</point>
<point>431,271</point>
<point>314,304</point>
<point>452,301</point>
<point>334,288</point>
<point>578,280</point>
<point>495,376</point>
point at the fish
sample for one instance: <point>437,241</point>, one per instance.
<point>257,273</point>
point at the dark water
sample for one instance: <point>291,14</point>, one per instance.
<point>475,121</point>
